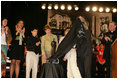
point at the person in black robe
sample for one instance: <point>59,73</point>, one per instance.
<point>81,36</point>
<point>108,39</point>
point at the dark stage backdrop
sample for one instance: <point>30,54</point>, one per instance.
<point>30,12</point>
<point>34,16</point>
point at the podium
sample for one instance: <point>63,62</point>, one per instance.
<point>114,59</point>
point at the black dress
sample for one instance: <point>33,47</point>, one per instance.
<point>17,51</point>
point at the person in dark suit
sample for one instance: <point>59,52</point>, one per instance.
<point>84,56</point>
<point>108,39</point>
<point>81,36</point>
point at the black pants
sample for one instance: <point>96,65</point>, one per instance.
<point>87,64</point>
<point>107,56</point>
<point>93,66</point>
<point>80,63</point>
<point>108,66</point>
<point>84,64</point>
<point>101,70</point>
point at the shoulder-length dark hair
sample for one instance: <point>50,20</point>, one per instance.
<point>19,20</point>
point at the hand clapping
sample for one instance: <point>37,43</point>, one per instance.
<point>5,30</point>
<point>37,44</point>
<point>107,38</point>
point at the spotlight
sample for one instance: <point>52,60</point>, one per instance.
<point>107,10</point>
<point>87,9</point>
<point>100,9</point>
<point>94,9</point>
<point>114,10</point>
<point>62,7</point>
<point>76,7</point>
<point>56,7</point>
<point>43,6</point>
<point>69,7</point>
<point>50,6</point>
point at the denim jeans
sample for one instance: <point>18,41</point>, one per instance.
<point>4,49</point>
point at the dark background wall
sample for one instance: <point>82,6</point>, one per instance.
<point>31,13</point>
<point>34,16</point>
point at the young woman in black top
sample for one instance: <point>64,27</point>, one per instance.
<point>17,51</point>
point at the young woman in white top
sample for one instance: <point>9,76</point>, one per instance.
<point>72,69</point>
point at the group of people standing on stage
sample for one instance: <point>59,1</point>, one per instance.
<point>34,47</point>
<point>75,45</point>
<point>17,49</point>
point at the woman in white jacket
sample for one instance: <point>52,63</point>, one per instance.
<point>72,68</point>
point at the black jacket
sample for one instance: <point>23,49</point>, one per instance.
<point>31,45</point>
<point>113,36</point>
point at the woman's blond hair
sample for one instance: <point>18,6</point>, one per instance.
<point>46,27</point>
